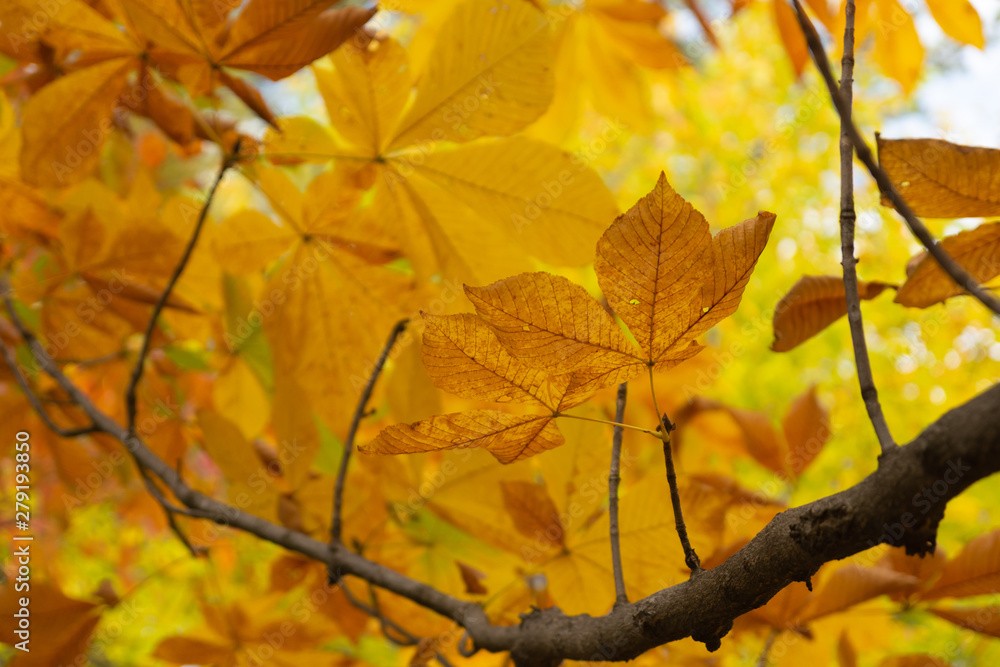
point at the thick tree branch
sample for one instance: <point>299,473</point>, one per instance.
<point>614,478</point>
<point>869,393</point>
<point>147,339</point>
<point>946,261</point>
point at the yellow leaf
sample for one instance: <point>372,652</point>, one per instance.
<point>813,304</point>
<point>410,393</point>
<point>365,91</point>
<point>491,74</point>
<point>549,323</point>
<point>897,46</point>
<point>959,20</point>
<point>251,486</point>
<point>807,428</point>
<point>852,584</point>
<point>249,241</point>
<point>67,122</point>
<point>64,624</point>
<point>939,179</point>
<point>551,204</point>
<point>295,428</point>
<point>534,513</point>
<point>300,139</point>
<point>508,437</point>
<point>791,35</point>
<point>977,250</point>
<point>975,571</point>
<point>239,397</point>
<point>278,38</point>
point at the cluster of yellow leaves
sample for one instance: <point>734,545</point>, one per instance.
<point>130,48</point>
<point>541,339</point>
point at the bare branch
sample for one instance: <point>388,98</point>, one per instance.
<point>947,262</point>
<point>359,411</point>
<point>847,219</point>
<point>147,339</point>
<point>621,597</point>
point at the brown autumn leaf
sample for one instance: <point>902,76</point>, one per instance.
<point>852,584</point>
<point>814,303</point>
<point>463,356</point>
<point>807,428</point>
<point>69,121</point>
<point>508,437</point>
<point>550,323</point>
<point>534,512</point>
<point>472,578</point>
<point>977,250</point>
<point>974,571</point>
<point>667,278</point>
<point>939,179</point>
<point>984,620</point>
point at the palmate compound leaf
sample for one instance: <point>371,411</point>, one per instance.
<point>545,340</point>
<point>813,304</point>
<point>508,437</point>
<point>977,250</point>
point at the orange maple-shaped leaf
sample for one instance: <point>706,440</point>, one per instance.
<point>813,304</point>
<point>508,437</point>
<point>974,571</point>
<point>667,278</point>
<point>977,250</point>
<point>939,179</point>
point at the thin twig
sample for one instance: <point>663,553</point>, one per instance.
<point>847,219</point>
<point>359,411</point>
<point>375,611</point>
<point>22,381</point>
<point>147,339</point>
<point>665,428</point>
<point>614,478</point>
<point>762,661</point>
<point>917,227</point>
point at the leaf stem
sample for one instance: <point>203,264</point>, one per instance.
<point>608,423</point>
<point>847,223</point>
<point>614,478</point>
<point>666,426</point>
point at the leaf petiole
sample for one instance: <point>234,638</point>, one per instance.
<point>609,423</point>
